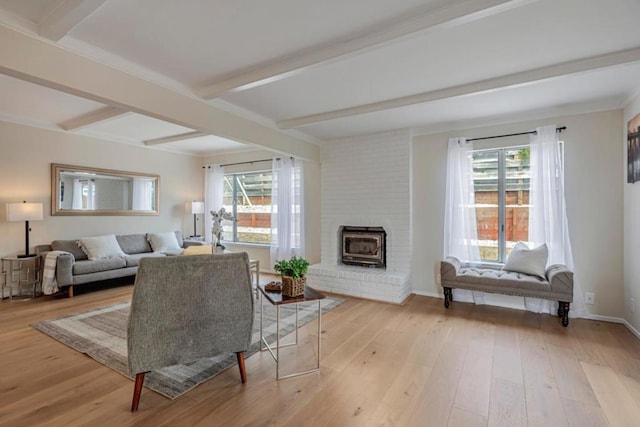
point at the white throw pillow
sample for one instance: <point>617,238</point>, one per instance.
<point>164,242</point>
<point>528,261</point>
<point>101,247</point>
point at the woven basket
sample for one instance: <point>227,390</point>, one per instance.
<point>293,287</point>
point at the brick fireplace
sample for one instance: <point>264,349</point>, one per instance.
<point>373,193</point>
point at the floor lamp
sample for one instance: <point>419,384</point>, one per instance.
<point>194,208</point>
<point>25,212</point>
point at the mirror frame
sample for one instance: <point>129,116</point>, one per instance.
<point>57,168</point>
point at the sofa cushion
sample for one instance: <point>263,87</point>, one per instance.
<point>528,261</point>
<point>164,242</point>
<point>70,246</point>
<point>133,259</point>
<point>179,238</point>
<point>89,266</point>
<point>133,243</point>
<point>100,247</point>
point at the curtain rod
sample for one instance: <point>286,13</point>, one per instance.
<point>532,132</point>
<point>245,163</point>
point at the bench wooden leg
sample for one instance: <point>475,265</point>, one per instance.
<point>565,313</point>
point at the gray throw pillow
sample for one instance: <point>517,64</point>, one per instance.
<point>70,246</point>
<point>133,243</point>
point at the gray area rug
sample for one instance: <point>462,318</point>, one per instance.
<point>102,334</point>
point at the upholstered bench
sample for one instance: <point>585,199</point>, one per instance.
<point>557,284</point>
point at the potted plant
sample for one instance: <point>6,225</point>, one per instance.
<point>293,276</point>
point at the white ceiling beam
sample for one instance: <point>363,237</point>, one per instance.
<point>174,138</point>
<point>511,80</point>
<point>92,117</point>
<point>41,62</point>
<point>66,16</point>
<point>426,19</point>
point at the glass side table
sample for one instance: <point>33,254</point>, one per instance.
<point>20,274</point>
<point>277,299</point>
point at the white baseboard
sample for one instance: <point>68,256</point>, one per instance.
<point>612,319</point>
<point>427,294</point>
<point>633,330</point>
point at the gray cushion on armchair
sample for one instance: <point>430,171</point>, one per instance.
<point>189,307</point>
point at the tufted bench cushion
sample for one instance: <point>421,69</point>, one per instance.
<point>557,285</point>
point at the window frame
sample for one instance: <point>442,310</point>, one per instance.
<point>502,195</point>
<point>234,206</point>
<point>502,208</point>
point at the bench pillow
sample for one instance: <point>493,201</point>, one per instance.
<point>101,247</point>
<point>528,261</point>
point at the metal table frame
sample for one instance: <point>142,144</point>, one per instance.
<point>315,296</point>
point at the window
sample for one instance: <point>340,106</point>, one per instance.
<point>501,179</point>
<point>248,196</point>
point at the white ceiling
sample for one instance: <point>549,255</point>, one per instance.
<point>312,70</point>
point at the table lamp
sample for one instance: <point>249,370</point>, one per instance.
<point>194,208</point>
<point>25,212</point>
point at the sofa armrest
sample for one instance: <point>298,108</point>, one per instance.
<point>449,269</point>
<point>43,249</point>
<point>64,269</point>
<point>561,280</point>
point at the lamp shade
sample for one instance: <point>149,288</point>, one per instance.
<point>194,207</point>
<point>24,211</point>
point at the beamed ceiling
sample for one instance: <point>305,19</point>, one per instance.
<point>211,76</point>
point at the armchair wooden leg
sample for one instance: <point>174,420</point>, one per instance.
<point>447,297</point>
<point>137,391</point>
<point>70,291</point>
<point>243,370</point>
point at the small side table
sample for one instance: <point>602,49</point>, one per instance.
<point>19,273</point>
<point>277,299</point>
<point>254,268</point>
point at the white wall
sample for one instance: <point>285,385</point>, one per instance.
<point>631,228</point>
<point>311,202</point>
<point>594,193</point>
<point>26,155</point>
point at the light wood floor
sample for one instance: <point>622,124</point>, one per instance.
<point>382,364</point>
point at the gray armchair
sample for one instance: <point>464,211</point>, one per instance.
<point>186,308</point>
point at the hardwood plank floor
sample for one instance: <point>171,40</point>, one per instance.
<point>382,364</point>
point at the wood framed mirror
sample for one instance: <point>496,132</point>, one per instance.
<point>80,190</point>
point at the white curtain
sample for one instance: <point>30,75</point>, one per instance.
<point>142,194</point>
<point>81,186</point>
<point>460,226</point>
<point>547,213</point>
<point>287,210</point>
<point>76,196</point>
<point>213,192</point>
